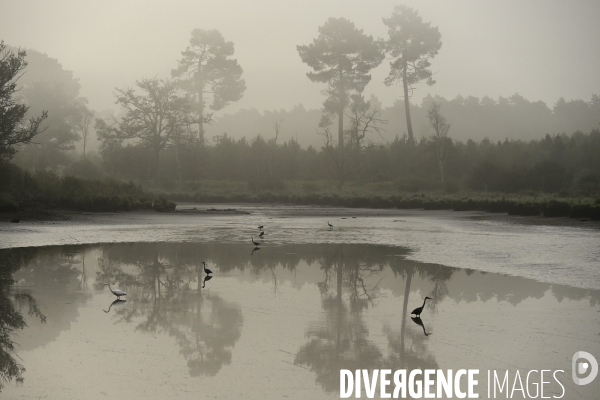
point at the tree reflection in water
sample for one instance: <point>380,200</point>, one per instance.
<point>341,340</point>
<point>166,296</point>
<point>205,326</point>
<point>13,301</point>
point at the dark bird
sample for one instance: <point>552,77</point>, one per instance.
<point>206,270</point>
<point>260,227</point>
<point>15,221</point>
<point>261,234</point>
<point>206,278</point>
<point>417,320</point>
<point>255,243</point>
<point>331,226</point>
<point>417,311</point>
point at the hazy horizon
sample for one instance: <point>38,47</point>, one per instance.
<point>539,49</point>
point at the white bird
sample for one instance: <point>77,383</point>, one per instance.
<point>116,292</point>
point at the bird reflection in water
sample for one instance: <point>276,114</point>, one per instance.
<point>206,278</point>
<point>418,321</point>
<point>255,249</point>
<point>115,303</point>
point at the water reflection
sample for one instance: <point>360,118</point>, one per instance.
<point>206,278</point>
<point>13,300</point>
<point>418,321</point>
<point>340,340</point>
<point>170,295</point>
<point>115,303</point>
<point>163,300</point>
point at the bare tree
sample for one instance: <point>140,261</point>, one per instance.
<point>85,116</point>
<point>273,146</point>
<point>440,137</point>
<point>365,118</point>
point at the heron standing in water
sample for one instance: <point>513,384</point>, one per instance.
<point>206,270</point>
<point>255,243</point>
<point>417,311</point>
<point>330,226</point>
<point>116,292</point>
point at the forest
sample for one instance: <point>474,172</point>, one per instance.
<point>169,138</point>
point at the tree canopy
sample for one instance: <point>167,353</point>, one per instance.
<point>411,44</point>
<point>341,56</point>
<point>47,86</point>
<point>155,117</point>
<point>14,129</point>
<point>207,70</point>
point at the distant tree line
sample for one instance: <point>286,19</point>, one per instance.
<point>159,136</point>
<point>567,163</point>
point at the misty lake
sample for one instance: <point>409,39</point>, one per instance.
<point>280,321</point>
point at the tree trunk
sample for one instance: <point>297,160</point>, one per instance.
<point>156,159</point>
<point>178,166</point>
<point>200,117</point>
<point>339,308</point>
<point>341,114</point>
<point>404,311</point>
<point>407,104</point>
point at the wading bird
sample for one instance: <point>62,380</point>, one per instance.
<point>261,234</point>
<point>255,243</point>
<point>206,270</point>
<point>331,226</point>
<point>260,227</point>
<point>417,311</point>
<point>116,292</point>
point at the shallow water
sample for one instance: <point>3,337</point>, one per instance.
<point>554,254</point>
<point>275,322</point>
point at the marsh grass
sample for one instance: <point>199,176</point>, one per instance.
<point>388,195</point>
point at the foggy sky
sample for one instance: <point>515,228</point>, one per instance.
<point>543,50</point>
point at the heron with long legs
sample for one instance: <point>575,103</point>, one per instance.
<point>417,311</point>
<point>206,270</point>
<point>116,292</point>
<point>255,243</point>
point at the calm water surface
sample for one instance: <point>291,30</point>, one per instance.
<point>275,322</point>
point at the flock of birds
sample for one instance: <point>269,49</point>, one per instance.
<point>416,312</point>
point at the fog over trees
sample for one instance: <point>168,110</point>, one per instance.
<point>174,134</point>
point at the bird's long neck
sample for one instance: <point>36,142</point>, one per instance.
<point>424,301</point>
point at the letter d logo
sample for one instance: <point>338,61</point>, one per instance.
<point>582,367</point>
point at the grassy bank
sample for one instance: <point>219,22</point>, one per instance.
<point>21,191</point>
<point>384,195</point>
